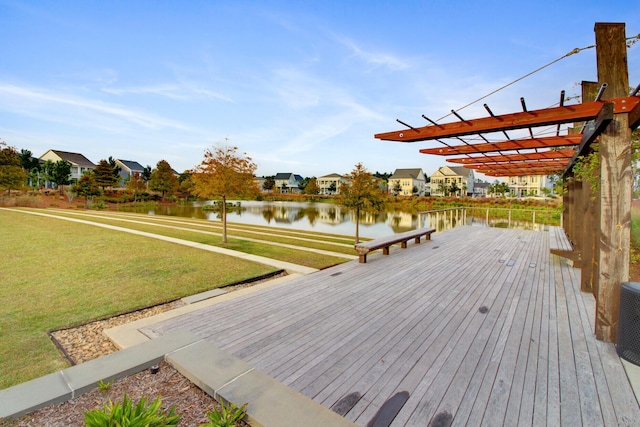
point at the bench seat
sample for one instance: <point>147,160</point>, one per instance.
<point>363,248</point>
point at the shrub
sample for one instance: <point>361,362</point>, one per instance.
<point>227,416</point>
<point>126,414</point>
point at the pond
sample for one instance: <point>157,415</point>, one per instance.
<point>326,217</point>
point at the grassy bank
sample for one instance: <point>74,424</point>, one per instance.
<point>55,273</point>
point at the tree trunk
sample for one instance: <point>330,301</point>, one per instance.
<point>224,219</point>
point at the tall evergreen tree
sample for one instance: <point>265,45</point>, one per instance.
<point>104,175</point>
<point>163,179</point>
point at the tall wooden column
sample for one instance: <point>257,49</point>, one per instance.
<point>615,183</point>
<point>590,216</point>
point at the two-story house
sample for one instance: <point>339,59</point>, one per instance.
<point>407,182</point>
<point>529,185</point>
<point>330,184</point>
<point>452,181</point>
<point>287,182</point>
<point>129,168</point>
<point>79,163</point>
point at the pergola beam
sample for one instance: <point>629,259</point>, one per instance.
<point>601,123</point>
<point>539,155</point>
<point>558,164</point>
<point>534,118</point>
<point>521,172</point>
<point>544,142</point>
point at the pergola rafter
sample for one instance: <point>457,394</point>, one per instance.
<point>501,158</point>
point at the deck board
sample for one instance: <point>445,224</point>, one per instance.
<point>412,322</point>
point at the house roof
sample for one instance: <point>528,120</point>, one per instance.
<point>286,175</point>
<point>73,158</point>
<point>457,171</point>
<point>131,165</point>
<point>406,173</point>
<point>332,175</point>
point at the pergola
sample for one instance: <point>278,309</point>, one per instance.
<point>596,220</point>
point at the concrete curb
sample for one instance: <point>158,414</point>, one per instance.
<point>221,375</point>
<point>63,385</point>
<point>270,403</point>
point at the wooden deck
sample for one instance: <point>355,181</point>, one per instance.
<point>481,326</point>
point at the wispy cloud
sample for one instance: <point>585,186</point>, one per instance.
<point>182,92</point>
<point>50,105</point>
<point>374,59</point>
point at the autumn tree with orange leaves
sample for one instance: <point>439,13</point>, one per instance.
<point>224,174</point>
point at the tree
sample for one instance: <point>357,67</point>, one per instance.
<point>185,183</point>
<point>86,187</point>
<point>302,185</point>
<point>333,187</point>
<point>136,185</point>
<point>146,174</point>
<point>104,175</point>
<point>116,169</point>
<point>268,184</point>
<point>312,187</point>
<point>498,188</point>
<point>397,188</point>
<point>454,190</point>
<point>31,166</point>
<point>224,174</point>
<point>59,173</point>
<point>163,179</point>
<point>12,176</point>
<point>361,195</point>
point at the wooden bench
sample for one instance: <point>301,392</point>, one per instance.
<point>363,248</point>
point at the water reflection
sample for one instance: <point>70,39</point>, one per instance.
<point>329,218</point>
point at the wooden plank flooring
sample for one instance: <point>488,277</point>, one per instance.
<point>481,326</point>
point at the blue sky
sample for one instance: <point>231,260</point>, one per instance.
<point>299,86</point>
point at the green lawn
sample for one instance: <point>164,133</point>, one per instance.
<point>55,273</point>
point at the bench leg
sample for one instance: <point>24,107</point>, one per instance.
<point>417,240</point>
<point>427,236</point>
<point>385,250</point>
<point>362,258</point>
<point>403,245</point>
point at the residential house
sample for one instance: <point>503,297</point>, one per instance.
<point>481,189</point>
<point>129,168</point>
<point>79,163</point>
<point>406,182</point>
<point>529,185</point>
<point>458,178</point>
<point>330,184</point>
<point>288,183</point>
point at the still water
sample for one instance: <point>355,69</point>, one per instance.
<point>321,217</point>
<point>329,218</point>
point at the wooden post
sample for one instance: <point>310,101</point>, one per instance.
<point>615,182</point>
<point>589,213</point>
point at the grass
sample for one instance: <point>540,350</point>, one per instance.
<point>55,273</point>
<point>205,232</point>
<point>635,234</point>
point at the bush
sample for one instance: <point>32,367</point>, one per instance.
<point>227,416</point>
<point>126,414</point>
